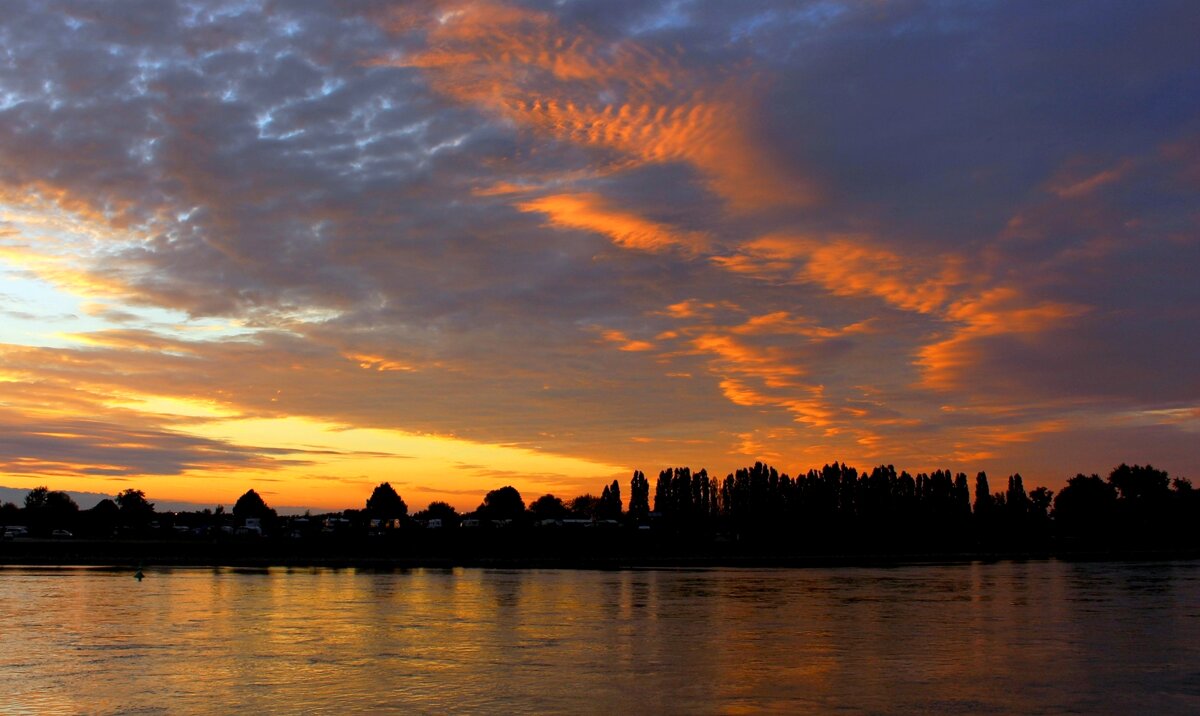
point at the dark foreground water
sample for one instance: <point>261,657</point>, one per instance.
<point>1038,637</point>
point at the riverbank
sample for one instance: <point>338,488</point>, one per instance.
<point>507,554</point>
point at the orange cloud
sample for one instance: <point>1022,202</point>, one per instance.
<point>757,361</point>
<point>810,408</point>
<point>502,188</point>
<point>63,272</point>
<point>688,308</point>
<point>853,266</point>
<point>755,376</point>
<point>999,311</point>
<point>974,444</point>
<point>568,84</point>
<point>766,363</point>
<point>624,342</point>
<point>367,361</point>
<point>1070,185</point>
<point>848,266</point>
<point>590,212</point>
<point>784,323</point>
<point>129,339</point>
<point>53,204</point>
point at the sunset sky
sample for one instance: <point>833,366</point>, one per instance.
<point>308,246</point>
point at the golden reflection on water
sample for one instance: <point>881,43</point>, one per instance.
<point>1039,637</point>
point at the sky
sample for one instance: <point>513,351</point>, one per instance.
<point>306,247</point>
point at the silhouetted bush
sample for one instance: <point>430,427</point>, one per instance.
<point>501,505</point>
<point>386,504</point>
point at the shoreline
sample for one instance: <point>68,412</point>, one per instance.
<point>367,556</point>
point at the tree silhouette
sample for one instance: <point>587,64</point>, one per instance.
<point>47,509</point>
<point>639,496</point>
<point>1185,508</point>
<point>1138,484</point>
<point>962,498</point>
<point>983,496</point>
<point>1016,506</point>
<point>690,501</point>
<point>1144,501</point>
<point>1040,500</point>
<point>438,510</point>
<point>548,507</point>
<point>61,509</point>
<point>502,504</point>
<point>252,506</point>
<point>1085,507</point>
<point>609,506</point>
<point>584,506</point>
<point>53,502</point>
<point>662,492</point>
<point>136,511</point>
<point>386,504</point>
<point>35,499</point>
<point>58,500</point>
<point>104,517</point>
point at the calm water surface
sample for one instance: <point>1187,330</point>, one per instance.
<point>1038,637</point>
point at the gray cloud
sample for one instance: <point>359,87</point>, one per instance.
<point>264,163</point>
<point>106,448</point>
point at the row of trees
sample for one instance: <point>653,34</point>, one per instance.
<point>836,506</point>
<point>46,511</point>
<point>1134,504</point>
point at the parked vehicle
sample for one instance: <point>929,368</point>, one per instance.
<point>14,531</point>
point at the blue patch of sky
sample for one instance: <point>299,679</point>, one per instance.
<point>814,15</point>
<point>34,312</point>
<point>673,15</point>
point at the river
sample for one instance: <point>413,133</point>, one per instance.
<point>1008,637</point>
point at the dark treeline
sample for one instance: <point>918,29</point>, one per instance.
<point>53,513</point>
<point>836,510</point>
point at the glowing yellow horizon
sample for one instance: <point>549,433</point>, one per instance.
<point>314,464</point>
